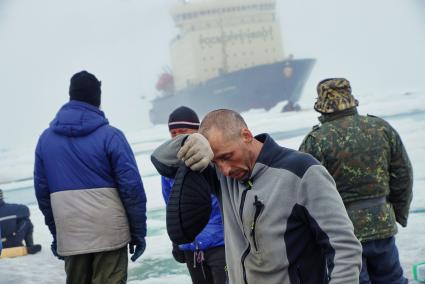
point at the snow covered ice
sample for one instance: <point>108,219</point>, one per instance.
<point>405,112</point>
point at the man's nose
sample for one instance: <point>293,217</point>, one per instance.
<point>224,168</point>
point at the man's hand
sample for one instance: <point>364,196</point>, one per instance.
<point>178,254</point>
<point>137,250</point>
<point>196,152</point>
<point>54,249</point>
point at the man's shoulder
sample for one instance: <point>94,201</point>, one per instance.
<point>45,133</point>
<point>373,118</point>
<point>13,208</point>
<point>370,121</point>
<point>275,156</point>
<point>112,133</point>
<point>311,137</point>
<point>315,129</point>
<point>113,130</point>
<point>315,132</point>
<point>294,161</point>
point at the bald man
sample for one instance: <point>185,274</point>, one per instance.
<point>284,220</point>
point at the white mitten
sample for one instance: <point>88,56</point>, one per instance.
<point>196,152</point>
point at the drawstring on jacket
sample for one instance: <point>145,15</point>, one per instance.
<point>198,257</point>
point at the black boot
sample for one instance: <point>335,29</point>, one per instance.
<point>29,242</point>
<point>33,249</point>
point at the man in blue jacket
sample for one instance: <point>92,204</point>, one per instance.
<point>205,257</point>
<point>89,189</point>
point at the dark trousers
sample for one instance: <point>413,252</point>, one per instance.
<point>381,264</point>
<point>24,232</point>
<point>97,268</point>
<point>208,268</point>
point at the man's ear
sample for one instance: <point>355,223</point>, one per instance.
<point>246,135</point>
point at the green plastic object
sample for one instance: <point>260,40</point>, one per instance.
<point>419,272</point>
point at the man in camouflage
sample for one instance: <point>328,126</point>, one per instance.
<point>373,174</point>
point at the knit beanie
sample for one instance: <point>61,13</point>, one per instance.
<point>189,206</point>
<point>85,87</point>
<point>183,117</point>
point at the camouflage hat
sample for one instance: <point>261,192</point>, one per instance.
<point>334,96</point>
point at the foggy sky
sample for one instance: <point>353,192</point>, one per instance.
<point>378,45</point>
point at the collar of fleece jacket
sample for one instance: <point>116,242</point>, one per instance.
<point>272,153</point>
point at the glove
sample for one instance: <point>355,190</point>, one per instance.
<point>137,250</point>
<point>54,249</point>
<point>196,152</point>
<point>178,254</point>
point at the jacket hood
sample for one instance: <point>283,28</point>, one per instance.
<point>77,119</point>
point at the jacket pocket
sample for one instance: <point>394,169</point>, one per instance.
<point>259,206</point>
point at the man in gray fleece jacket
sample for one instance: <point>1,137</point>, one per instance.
<point>284,220</point>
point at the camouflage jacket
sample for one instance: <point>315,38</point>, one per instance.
<point>368,161</point>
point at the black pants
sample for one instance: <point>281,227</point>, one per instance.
<point>23,232</point>
<point>210,269</point>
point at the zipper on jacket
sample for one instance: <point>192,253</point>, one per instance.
<point>249,186</point>
<point>246,252</point>
<point>258,208</point>
<point>244,255</point>
<point>327,274</point>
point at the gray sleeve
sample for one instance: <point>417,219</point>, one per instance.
<point>331,225</point>
<point>164,158</point>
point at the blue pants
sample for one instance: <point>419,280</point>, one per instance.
<point>381,264</point>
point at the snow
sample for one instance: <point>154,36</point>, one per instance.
<point>405,112</point>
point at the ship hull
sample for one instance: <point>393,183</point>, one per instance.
<point>257,87</point>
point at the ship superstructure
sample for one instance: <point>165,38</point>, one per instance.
<point>223,47</point>
<point>222,36</point>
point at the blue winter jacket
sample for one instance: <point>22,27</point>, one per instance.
<point>212,235</point>
<point>87,183</point>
